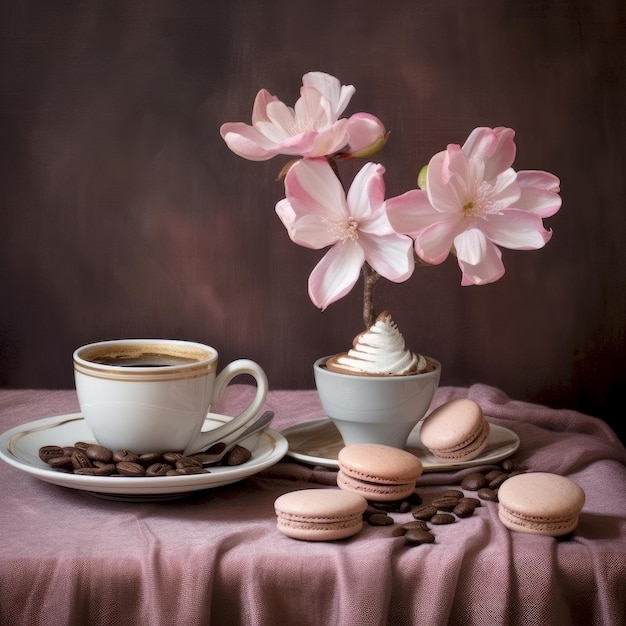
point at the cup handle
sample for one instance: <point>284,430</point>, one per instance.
<point>242,366</point>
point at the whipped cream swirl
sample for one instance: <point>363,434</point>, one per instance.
<point>378,351</point>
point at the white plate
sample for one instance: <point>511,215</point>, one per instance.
<point>317,442</point>
<point>20,447</point>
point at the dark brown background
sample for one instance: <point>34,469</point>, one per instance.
<point>124,214</point>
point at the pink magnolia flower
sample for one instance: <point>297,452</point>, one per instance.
<point>317,213</point>
<point>473,203</point>
<point>312,128</point>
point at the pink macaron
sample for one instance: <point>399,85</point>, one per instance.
<point>541,503</point>
<point>455,431</point>
<point>378,472</point>
<point>319,514</point>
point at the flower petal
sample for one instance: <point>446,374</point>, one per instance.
<point>313,111</point>
<point>539,178</point>
<point>313,188</point>
<point>538,201</point>
<point>335,275</point>
<point>434,243</point>
<point>330,140</point>
<point>247,142</point>
<point>539,192</point>
<point>281,122</point>
<point>259,109</point>
<point>391,255</point>
<point>308,231</point>
<point>471,246</point>
<point>444,192</point>
<point>494,146</point>
<point>479,259</point>
<point>287,215</point>
<point>516,229</point>
<point>367,192</point>
<point>411,212</point>
<point>330,87</point>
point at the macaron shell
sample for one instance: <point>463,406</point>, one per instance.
<point>379,463</point>
<point>319,514</point>
<point>541,503</point>
<point>470,449</point>
<point>455,430</point>
<point>374,491</point>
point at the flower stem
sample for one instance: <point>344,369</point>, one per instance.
<point>370,278</point>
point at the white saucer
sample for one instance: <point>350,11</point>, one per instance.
<point>317,442</point>
<point>20,447</point>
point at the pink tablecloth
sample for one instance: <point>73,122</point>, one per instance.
<point>216,557</point>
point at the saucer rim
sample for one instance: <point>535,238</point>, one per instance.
<point>270,448</point>
<point>429,464</point>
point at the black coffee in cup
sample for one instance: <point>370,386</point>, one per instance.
<point>143,360</point>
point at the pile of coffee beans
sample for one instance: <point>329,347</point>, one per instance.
<point>487,483</point>
<point>444,507</point>
<point>89,459</point>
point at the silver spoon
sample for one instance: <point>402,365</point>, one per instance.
<point>260,424</point>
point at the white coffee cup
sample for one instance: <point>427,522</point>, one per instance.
<point>375,409</point>
<point>152,395</point>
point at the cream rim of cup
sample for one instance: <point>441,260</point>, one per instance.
<point>203,359</point>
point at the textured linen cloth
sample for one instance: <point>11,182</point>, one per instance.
<point>215,557</point>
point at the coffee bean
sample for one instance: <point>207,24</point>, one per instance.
<point>61,463</point>
<point>99,453</point>
<point>398,531</point>
<point>445,503</point>
<point>50,452</point>
<point>493,474</point>
<point>187,461</point>
<point>380,519</point>
<point>158,469</point>
<point>415,525</point>
<point>80,460</point>
<point>104,469</point>
<point>128,468</point>
<point>418,537</point>
<point>387,506</point>
<point>238,455</point>
<point>68,450</point>
<point>464,509</point>
<point>85,471</point>
<point>125,456</point>
<point>473,501</point>
<point>216,448</point>
<point>82,445</point>
<point>405,507</point>
<point>442,518</point>
<point>424,512</point>
<point>149,458</point>
<point>507,465</point>
<point>190,469</point>
<point>172,457</point>
<point>497,481</point>
<point>452,493</point>
<point>370,510</point>
<point>487,494</point>
<point>474,482</point>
